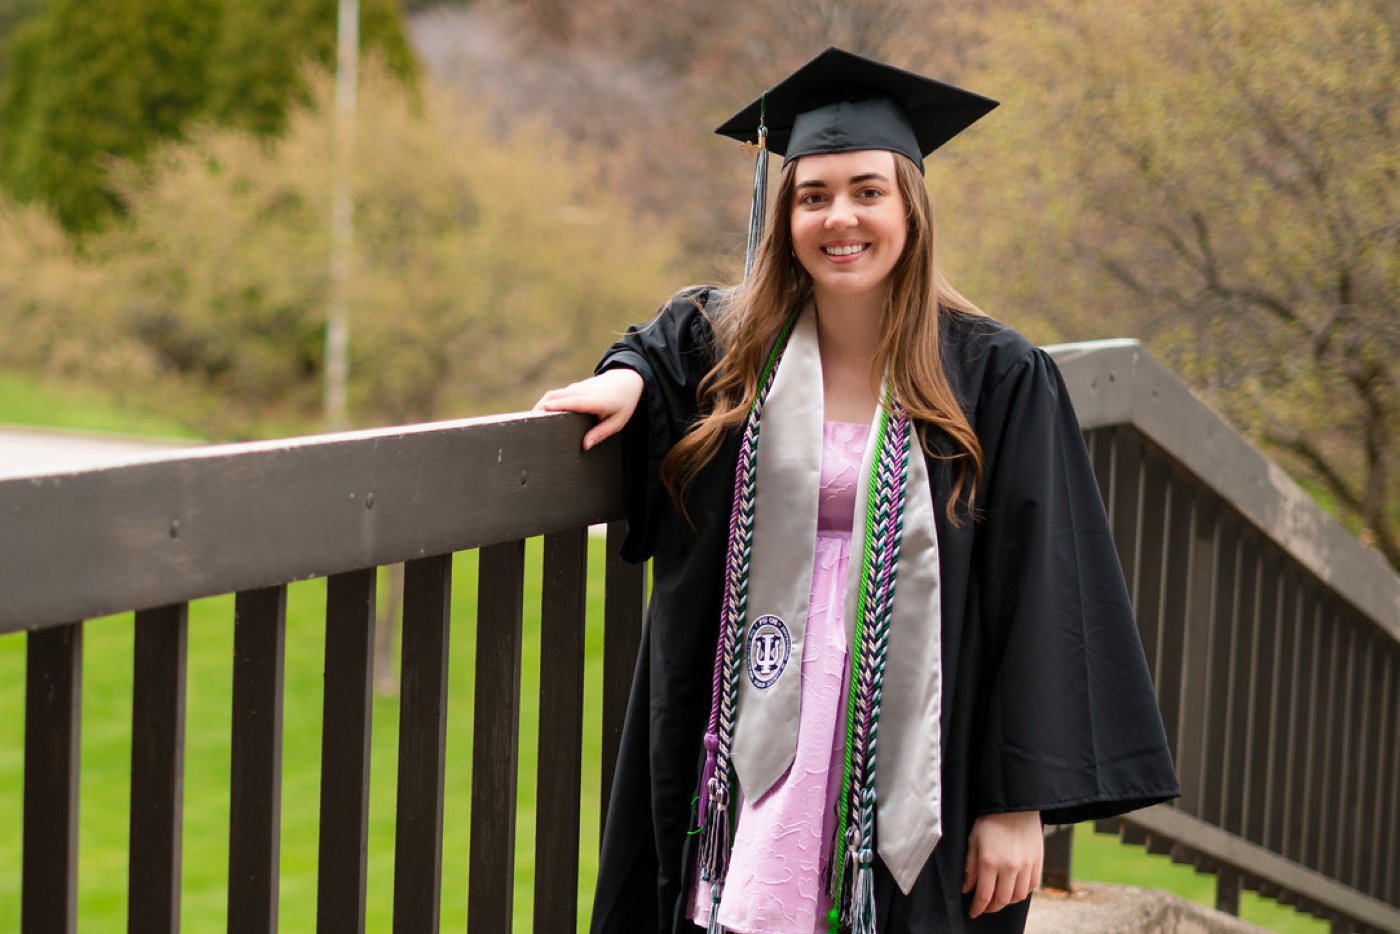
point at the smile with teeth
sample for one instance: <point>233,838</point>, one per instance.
<point>849,250</point>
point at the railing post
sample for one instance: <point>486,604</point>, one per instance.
<point>496,737</point>
<point>563,601</point>
<point>157,769</point>
<point>427,599</point>
<point>1227,890</point>
<point>346,722</point>
<point>625,593</point>
<point>1059,850</point>
<point>255,779</point>
<point>52,714</point>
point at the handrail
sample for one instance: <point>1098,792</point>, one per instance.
<point>176,525</point>
<point>1117,382</point>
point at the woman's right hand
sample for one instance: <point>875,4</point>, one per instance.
<point>612,396</point>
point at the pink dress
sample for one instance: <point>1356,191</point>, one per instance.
<point>783,840</point>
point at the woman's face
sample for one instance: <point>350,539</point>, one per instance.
<point>849,222</point>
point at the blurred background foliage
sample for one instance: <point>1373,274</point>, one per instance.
<point>1216,179</point>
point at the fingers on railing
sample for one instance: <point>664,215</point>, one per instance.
<point>157,768</point>
<point>53,701</point>
<point>345,751</point>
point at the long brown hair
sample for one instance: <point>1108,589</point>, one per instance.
<point>909,341</point>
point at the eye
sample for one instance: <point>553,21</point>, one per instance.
<point>870,194</point>
<point>809,198</point>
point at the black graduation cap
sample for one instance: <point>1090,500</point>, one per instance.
<point>840,102</point>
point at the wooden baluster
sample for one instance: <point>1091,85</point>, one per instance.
<point>157,769</point>
<point>255,784</point>
<point>561,730</point>
<point>347,719</point>
<point>422,744</point>
<point>52,714</point>
<point>624,599</point>
<point>496,737</point>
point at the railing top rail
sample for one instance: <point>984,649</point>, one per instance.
<point>174,526</point>
<point>1117,382</point>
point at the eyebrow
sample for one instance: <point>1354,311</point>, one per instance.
<point>855,180</point>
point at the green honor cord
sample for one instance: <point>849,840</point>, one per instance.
<point>866,573</point>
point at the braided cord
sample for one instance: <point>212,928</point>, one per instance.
<point>837,863</point>
<point>894,469</point>
<point>715,779</point>
<point>852,852</point>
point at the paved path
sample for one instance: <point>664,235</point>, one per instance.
<point>1101,908</point>
<point>28,451</point>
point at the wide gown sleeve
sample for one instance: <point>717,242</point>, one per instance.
<point>672,353</point>
<point>1072,728</point>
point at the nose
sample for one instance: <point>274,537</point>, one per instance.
<point>841,215</point>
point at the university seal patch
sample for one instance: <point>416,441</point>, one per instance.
<point>770,645</point>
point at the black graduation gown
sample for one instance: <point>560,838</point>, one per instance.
<point>1047,700</point>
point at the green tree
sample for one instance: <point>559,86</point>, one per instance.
<point>47,315</point>
<point>488,266</point>
<point>96,80</point>
<point>91,82</point>
<point>1221,180</point>
<point>13,16</point>
<point>257,69</point>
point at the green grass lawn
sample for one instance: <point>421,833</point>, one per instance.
<point>1103,858</point>
<point>25,400</point>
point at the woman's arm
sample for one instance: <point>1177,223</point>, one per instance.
<point>612,396</point>
<point>1005,855</point>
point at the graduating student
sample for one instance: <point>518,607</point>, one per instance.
<point>889,637</point>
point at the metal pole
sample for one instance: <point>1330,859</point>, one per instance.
<point>342,216</point>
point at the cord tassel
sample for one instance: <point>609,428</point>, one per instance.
<point>848,878</point>
<point>714,927</point>
<point>706,774</point>
<point>863,898</point>
<point>830,876</point>
<point>714,841</point>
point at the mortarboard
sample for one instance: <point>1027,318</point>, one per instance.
<point>842,102</point>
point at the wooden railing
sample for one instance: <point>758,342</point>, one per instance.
<point>248,519</point>
<point>1273,636</point>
